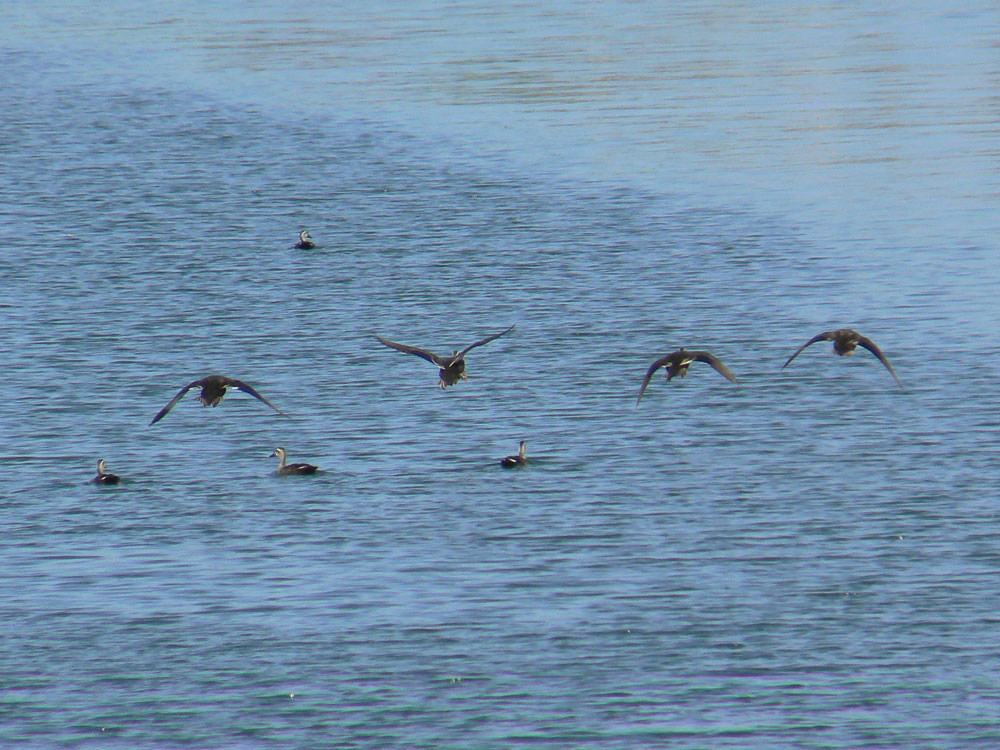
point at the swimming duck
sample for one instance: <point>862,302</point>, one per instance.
<point>286,469</point>
<point>305,241</point>
<point>452,367</point>
<point>511,462</point>
<point>103,477</point>
<point>845,341</point>
<point>678,362</point>
<point>213,388</point>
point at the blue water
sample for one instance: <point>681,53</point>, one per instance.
<point>808,559</point>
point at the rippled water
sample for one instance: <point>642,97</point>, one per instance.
<point>806,560</point>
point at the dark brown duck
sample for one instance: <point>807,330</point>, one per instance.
<point>677,364</point>
<point>305,241</point>
<point>213,388</point>
<point>285,469</point>
<point>452,367</point>
<point>521,459</point>
<point>103,476</point>
<point>845,341</point>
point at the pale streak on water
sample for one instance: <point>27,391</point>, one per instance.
<point>808,560</point>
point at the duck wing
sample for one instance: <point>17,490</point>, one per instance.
<point>422,353</point>
<point>715,362</point>
<point>486,340</point>
<point>825,336</point>
<point>871,346</point>
<point>241,386</point>
<point>180,394</point>
<point>661,362</point>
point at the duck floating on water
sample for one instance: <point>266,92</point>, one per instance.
<point>287,469</point>
<point>845,341</point>
<point>103,476</point>
<point>305,241</point>
<point>213,388</point>
<point>453,366</point>
<point>521,459</point>
<point>678,362</point>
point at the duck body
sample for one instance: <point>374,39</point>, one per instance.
<point>521,459</point>
<point>845,342</point>
<point>103,476</point>
<point>213,388</point>
<point>677,363</point>
<point>452,367</point>
<point>285,469</point>
<point>305,241</point>
<point>452,374</point>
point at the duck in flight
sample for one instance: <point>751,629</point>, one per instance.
<point>305,241</point>
<point>453,366</point>
<point>678,362</point>
<point>103,476</point>
<point>512,462</point>
<point>845,341</point>
<point>287,469</point>
<point>213,388</point>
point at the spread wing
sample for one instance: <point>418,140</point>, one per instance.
<point>649,374</point>
<point>870,345</point>
<point>715,362</point>
<point>486,340</point>
<point>241,386</point>
<point>422,353</point>
<point>180,394</point>
<point>825,336</point>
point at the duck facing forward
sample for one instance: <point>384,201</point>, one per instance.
<point>677,364</point>
<point>845,341</point>
<point>521,459</point>
<point>213,388</point>
<point>103,476</point>
<point>288,469</point>
<point>453,366</point>
<point>305,241</point>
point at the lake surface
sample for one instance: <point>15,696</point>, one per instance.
<point>808,559</point>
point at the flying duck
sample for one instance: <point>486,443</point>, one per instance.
<point>678,362</point>
<point>305,241</point>
<point>213,388</point>
<point>511,462</point>
<point>286,469</point>
<point>845,341</point>
<point>452,367</point>
<point>103,477</point>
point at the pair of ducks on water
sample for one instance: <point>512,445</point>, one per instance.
<point>284,469</point>
<point>452,370</point>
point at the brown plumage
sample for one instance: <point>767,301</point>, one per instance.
<point>286,469</point>
<point>213,388</point>
<point>511,462</point>
<point>452,366</point>
<point>305,241</point>
<point>678,362</point>
<point>103,477</point>
<point>845,341</point>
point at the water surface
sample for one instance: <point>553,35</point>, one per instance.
<point>806,560</point>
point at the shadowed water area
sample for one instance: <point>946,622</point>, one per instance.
<point>807,559</point>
